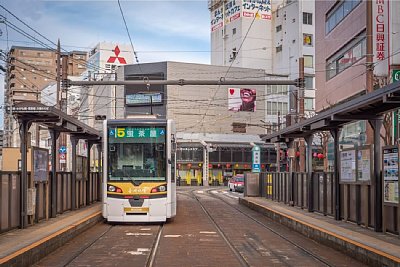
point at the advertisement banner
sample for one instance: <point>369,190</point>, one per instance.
<point>391,174</point>
<point>217,18</point>
<point>380,20</point>
<point>348,166</point>
<point>232,10</point>
<point>260,9</point>
<point>242,99</point>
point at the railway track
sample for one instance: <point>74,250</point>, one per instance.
<point>305,250</point>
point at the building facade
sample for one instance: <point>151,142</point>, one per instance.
<point>270,36</point>
<point>205,116</point>
<point>29,70</point>
<point>342,54</point>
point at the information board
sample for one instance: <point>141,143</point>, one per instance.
<point>364,164</point>
<point>391,174</point>
<point>40,165</point>
<point>348,166</point>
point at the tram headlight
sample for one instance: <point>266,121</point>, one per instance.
<point>160,188</point>
<point>114,189</point>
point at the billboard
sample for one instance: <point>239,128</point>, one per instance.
<point>242,99</point>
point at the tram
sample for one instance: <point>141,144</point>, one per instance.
<point>139,170</point>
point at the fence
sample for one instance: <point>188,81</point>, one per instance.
<point>88,190</point>
<point>318,195</point>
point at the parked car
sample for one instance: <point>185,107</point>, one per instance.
<point>236,183</point>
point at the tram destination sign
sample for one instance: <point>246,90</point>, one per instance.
<point>136,132</point>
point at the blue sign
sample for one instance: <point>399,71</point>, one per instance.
<point>256,158</point>
<point>62,150</point>
<point>112,132</point>
<point>162,132</point>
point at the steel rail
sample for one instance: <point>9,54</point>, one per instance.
<point>273,231</point>
<point>240,258</point>
<point>152,255</point>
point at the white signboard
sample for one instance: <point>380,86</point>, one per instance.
<point>232,10</point>
<point>391,175</point>
<point>348,166</point>
<point>380,18</point>
<point>364,164</point>
<point>217,18</point>
<point>260,9</point>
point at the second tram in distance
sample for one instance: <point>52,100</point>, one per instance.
<point>139,170</point>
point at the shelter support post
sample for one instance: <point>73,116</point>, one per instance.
<point>377,125</point>
<point>309,170</point>
<point>335,135</point>
<point>88,184</point>
<point>53,206</point>
<point>74,142</point>
<point>291,152</point>
<point>23,132</point>
<point>100,180</point>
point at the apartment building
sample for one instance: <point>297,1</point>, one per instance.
<point>29,70</point>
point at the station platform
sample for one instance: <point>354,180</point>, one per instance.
<point>372,248</point>
<point>23,247</point>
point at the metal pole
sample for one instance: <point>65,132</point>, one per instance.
<point>53,206</point>
<point>23,130</point>
<point>58,76</point>
<point>377,125</point>
<point>74,141</point>
<point>88,189</point>
<point>310,184</point>
<point>183,82</point>
<point>335,134</point>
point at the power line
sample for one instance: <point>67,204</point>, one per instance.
<point>130,39</point>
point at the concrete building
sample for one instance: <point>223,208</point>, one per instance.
<point>105,57</point>
<point>342,50</point>
<point>341,53</point>
<point>271,39</point>
<point>29,70</point>
<point>294,37</point>
<point>205,116</point>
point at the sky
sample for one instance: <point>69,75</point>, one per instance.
<point>162,30</point>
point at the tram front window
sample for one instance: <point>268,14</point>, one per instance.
<point>137,157</point>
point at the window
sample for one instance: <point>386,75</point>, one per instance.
<point>279,49</point>
<point>334,17</point>
<point>308,61</point>
<point>307,39</point>
<point>278,28</point>
<point>233,31</point>
<point>346,57</point>
<point>307,18</point>
<point>309,82</point>
<point>308,103</point>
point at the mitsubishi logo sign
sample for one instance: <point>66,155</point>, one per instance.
<point>120,59</point>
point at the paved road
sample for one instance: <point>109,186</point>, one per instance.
<point>211,229</point>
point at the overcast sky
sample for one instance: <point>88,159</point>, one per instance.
<point>160,30</point>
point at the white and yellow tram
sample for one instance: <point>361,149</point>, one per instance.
<point>139,170</point>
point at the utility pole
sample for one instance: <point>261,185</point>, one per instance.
<point>302,147</point>
<point>58,76</point>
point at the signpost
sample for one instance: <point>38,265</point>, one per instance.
<point>395,78</point>
<point>256,159</point>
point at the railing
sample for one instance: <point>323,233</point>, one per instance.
<point>88,191</point>
<point>294,189</point>
<point>318,195</point>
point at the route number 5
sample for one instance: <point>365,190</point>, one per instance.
<point>120,132</point>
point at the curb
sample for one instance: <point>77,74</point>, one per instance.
<point>38,250</point>
<point>354,249</point>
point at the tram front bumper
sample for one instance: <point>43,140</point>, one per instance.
<point>121,210</point>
